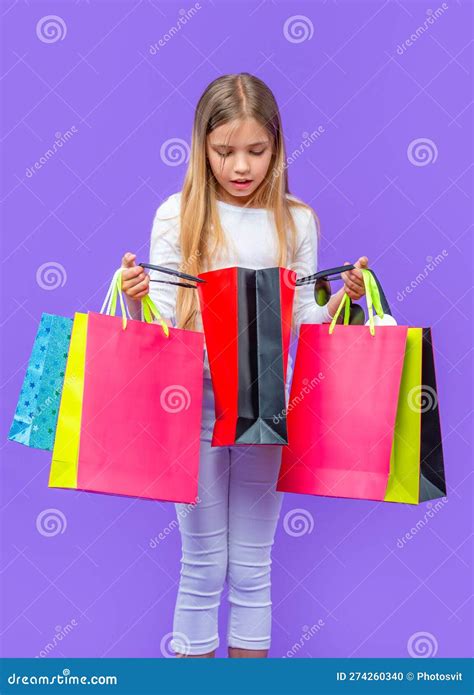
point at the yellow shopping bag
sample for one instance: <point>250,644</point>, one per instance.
<point>416,465</point>
<point>63,471</point>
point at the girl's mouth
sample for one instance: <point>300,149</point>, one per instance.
<point>241,183</point>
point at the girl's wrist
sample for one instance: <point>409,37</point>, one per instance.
<point>134,307</point>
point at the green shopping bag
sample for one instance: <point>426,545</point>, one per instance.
<point>416,465</point>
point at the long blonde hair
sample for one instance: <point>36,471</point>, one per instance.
<point>226,99</point>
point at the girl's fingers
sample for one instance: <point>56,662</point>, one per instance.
<point>128,260</point>
<point>356,280</point>
<point>353,285</point>
<point>140,287</point>
<point>131,276</point>
<point>132,272</point>
<point>135,286</point>
<point>356,275</point>
<point>352,295</point>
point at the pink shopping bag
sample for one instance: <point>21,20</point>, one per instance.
<point>141,410</point>
<point>343,407</point>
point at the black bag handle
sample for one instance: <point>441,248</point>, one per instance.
<point>176,273</point>
<point>324,274</point>
<point>335,274</point>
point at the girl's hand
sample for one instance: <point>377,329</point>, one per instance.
<point>135,282</point>
<point>353,280</point>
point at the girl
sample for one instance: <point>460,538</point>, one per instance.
<point>234,210</point>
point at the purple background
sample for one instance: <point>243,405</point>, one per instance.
<point>95,199</point>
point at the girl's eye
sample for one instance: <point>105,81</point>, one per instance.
<point>223,154</point>
<point>257,154</point>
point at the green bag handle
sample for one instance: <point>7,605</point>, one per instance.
<point>150,310</point>
<point>109,307</point>
<point>373,301</point>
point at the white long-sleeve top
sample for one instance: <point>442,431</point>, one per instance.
<point>253,244</point>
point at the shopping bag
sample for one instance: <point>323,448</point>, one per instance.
<point>34,422</point>
<point>417,463</point>
<point>63,471</point>
<point>247,317</point>
<point>140,407</point>
<point>354,410</point>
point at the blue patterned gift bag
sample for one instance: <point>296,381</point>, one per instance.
<point>34,423</point>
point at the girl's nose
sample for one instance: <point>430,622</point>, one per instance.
<point>241,165</point>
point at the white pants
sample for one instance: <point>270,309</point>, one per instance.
<point>227,535</point>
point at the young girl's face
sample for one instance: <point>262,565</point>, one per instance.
<point>240,165</point>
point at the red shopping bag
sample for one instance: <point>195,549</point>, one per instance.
<point>342,409</point>
<point>247,315</point>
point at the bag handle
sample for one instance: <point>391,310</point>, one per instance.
<point>109,307</point>
<point>176,273</point>
<point>375,299</point>
<point>324,275</point>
